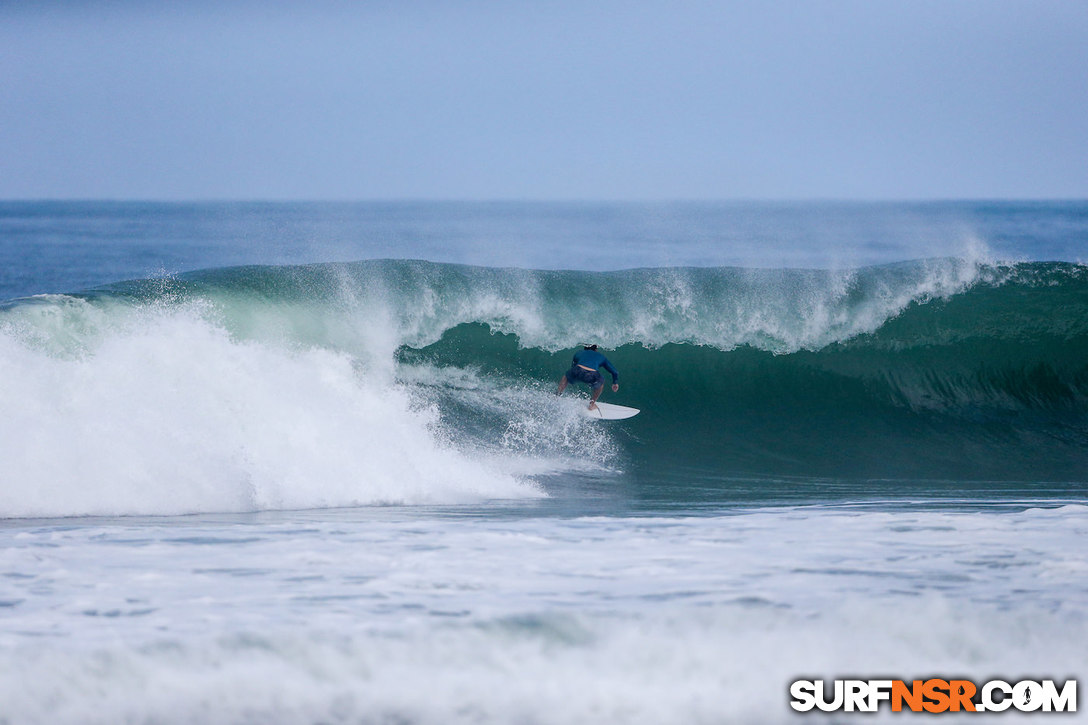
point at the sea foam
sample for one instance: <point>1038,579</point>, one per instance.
<point>159,410</point>
<point>375,617</point>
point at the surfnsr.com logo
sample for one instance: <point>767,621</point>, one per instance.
<point>933,695</point>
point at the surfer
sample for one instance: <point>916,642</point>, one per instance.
<point>585,368</point>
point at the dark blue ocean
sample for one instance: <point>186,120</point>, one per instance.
<point>304,462</point>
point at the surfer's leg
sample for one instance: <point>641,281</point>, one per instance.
<point>596,394</point>
<point>562,384</point>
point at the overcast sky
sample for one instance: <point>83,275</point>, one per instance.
<point>512,99</point>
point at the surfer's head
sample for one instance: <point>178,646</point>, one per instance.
<point>589,347</point>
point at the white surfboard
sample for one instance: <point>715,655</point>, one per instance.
<point>608,411</point>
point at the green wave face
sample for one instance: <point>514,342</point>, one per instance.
<point>936,370</point>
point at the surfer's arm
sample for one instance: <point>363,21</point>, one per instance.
<point>611,368</point>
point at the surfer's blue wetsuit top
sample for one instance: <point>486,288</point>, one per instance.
<point>593,359</point>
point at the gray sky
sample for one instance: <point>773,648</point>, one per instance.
<point>598,99</point>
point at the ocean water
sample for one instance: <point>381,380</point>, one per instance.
<point>304,463</point>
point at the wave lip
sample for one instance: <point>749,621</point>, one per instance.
<point>416,302</point>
